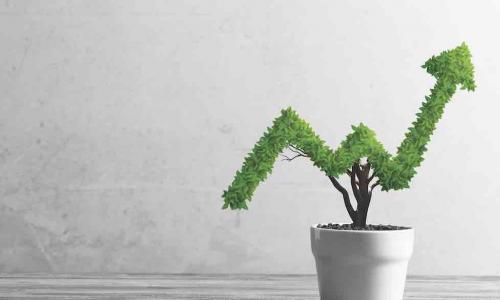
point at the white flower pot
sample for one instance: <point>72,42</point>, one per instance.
<point>361,265</point>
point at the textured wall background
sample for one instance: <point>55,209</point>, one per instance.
<point>121,122</point>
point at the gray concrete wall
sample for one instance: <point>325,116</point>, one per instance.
<point>121,123</point>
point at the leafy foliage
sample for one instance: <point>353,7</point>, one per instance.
<point>451,68</point>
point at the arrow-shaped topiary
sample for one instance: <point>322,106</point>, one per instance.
<point>451,68</point>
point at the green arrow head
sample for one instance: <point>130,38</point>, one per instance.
<point>454,65</point>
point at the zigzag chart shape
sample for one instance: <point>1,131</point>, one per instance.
<point>451,68</point>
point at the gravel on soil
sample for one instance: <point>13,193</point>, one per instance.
<point>368,227</point>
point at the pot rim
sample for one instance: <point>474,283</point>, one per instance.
<point>407,229</point>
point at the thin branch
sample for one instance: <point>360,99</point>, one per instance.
<point>356,169</point>
<point>373,186</point>
<point>345,195</point>
<point>355,189</point>
<point>291,158</point>
<point>296,150</point>
<point>372,176</point>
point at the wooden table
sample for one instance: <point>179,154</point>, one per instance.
<point>223,287</point>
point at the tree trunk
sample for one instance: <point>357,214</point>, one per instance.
<point>360,184</point>
<point>361,216</point>
<point>362,191</point>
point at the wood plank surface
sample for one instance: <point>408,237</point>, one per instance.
<point>222,287</point>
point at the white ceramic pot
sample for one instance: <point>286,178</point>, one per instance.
<point>361,265</point>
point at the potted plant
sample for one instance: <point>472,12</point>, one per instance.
<point>358,261</point>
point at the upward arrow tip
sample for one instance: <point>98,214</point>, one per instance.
<point>455,65</point>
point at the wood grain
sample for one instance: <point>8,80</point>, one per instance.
<point>222,287</point>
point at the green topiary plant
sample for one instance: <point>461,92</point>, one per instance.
<point>451,68</point>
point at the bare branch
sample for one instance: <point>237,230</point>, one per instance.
<point>345,195</point>
<point>372,176</point>
<point>355,184</point>
<point>291,158</point>
<point>296,150</point>
<point>372,187</point>
<point>356,169</point>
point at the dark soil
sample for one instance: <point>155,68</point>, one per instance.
<point>368,227</point>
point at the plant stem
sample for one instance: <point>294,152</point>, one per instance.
<point>360,181</point>
<point>345,195</point>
